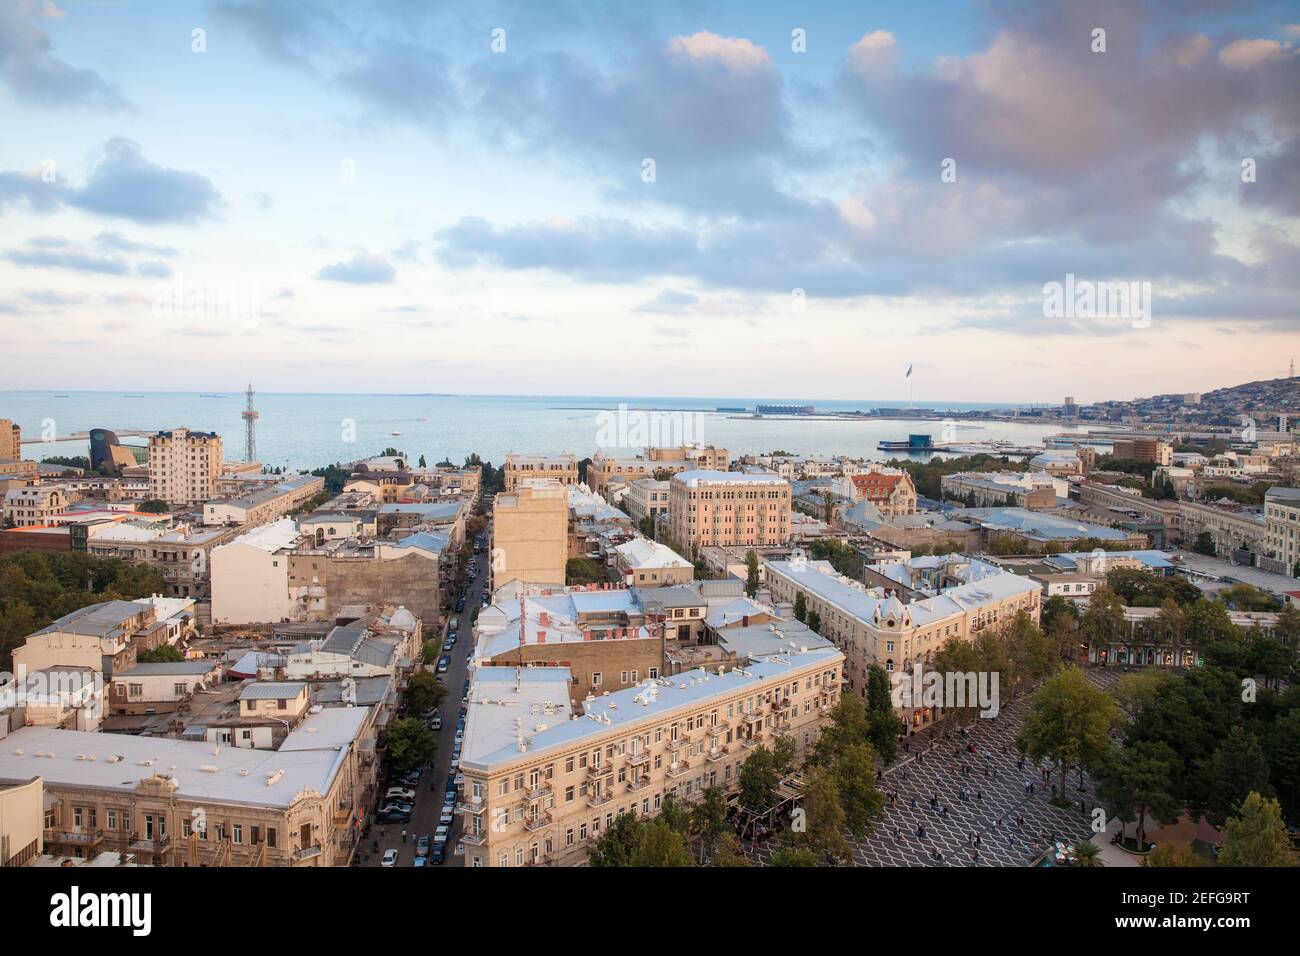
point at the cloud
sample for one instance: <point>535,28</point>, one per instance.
<point>1244,54</point>
<point>153,269</point>
<point>126,185</point>
<point>119,243</point>
<point>60,254</point>
<point>31,71</point>
<point>361,269</point>
<point>669,302</point>
<point>29,191</point>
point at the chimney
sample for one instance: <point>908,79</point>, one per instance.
<point>541,637</point>
<point>544,619</point>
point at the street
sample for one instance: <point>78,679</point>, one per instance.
<point>433,782</point>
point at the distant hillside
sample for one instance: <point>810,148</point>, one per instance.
<point>1274,394</point>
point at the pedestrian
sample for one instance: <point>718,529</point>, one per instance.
<point>403,836</point>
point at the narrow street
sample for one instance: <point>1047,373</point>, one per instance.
<point>433,781</point>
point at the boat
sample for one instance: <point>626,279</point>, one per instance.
<point>394,433</point>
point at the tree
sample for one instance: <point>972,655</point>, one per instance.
<point>422,464</point>
<point>162,654</point>
<point>800,607</point>
<point>1204,544</point>
<point>783,753</point>
<point>1139,781</point>
<point>675,815</point>
<point>1088,854</point>
<point>823,815</point>
<point>846,728</point>
<point>855,776</point>
<point>884,726</point>
<point>1069,722</point>
<point>728,853</point>
<point>1103,622</point>
<point>751,572</point>
<point>709,821</point>
<point>758,780</point>
<point>409,743</point>
<point>659,845</point>
<point>1256,836</point>
<point>618,844</point>
<point>1173,854</point>
<point>814,621</point>
<point>153,506</point>
<point>1282,746</point>
<point>1137,690</point>
<point>1223,780</point>
<point>424,692</point>
<point>793,856</point>
<point>583,571</point>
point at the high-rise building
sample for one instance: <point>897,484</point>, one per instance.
<point>728,508</point>
<point>530,534</point>
<point>184,466</point>
<point>11,440</point>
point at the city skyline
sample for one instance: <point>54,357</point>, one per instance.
<point>338,181</point>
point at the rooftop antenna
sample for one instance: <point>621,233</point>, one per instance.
<point>249,415</point>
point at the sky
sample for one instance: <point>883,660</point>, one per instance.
<point>748,198</point>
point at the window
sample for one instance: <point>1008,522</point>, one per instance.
<point>595,678</point>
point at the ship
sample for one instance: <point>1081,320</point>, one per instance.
<point>914,443</point>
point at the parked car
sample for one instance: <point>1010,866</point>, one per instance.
<point>399,794</point>
<point>390,858</point>
<point>439,853</point>
<point>444,664</point>
<point>435,722</point>
<point>397,809</point>
<point>440,835</point>
<point>422,845</point>
<point>419,861</point>
<point>448,813</point>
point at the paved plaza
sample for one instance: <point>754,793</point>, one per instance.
<point>1014,827</point>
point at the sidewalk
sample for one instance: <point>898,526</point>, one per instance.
<point>1111,854</point>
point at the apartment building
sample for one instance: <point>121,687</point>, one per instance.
<point>1144,448</point>
<point>106,636</point>
<point>644,563</point>
<point>187,803</point>
<point>543,781</point>
<point>20,819</point>
<point>1282,529</point>
<point>890,491</point>
<point>657,461</point>
<point>184,466</point>
<point>1231,526</point>
<point>530,534</point>
<point>32,505</point>
<point>646,498</point>
<point>728,508</point>
<point>520,468</point>
<point>264,504</point>
<point>873,628</point>
<point>11,440</point>
<point>250,576</point>
<point>992,489</point>
<point>182,554</point>
<point>160,687</point>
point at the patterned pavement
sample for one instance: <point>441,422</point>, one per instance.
<point>985,796</point>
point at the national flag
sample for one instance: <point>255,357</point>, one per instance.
<point>909,372</point>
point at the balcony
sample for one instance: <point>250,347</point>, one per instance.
<point>542,789</point>
<point>639,760</point>
<point>638,783</point>
<point>74,838</point>
<point>680,744</point>
<point>539,822</point>
<point>679,769</point>
<point>752,741</point>
<point>473,839</point>
<point>716,754</point>
<point>469,806</point>
<point>599,799</point>
<point>306,853</point>
<point>596,772</point>
<point>151,846</point>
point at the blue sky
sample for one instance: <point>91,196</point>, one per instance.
<point>369,197</point>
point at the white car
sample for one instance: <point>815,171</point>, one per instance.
<point>400,793</point>
<point>448,814</point>
<point>390,858</point>
<point>440,835</point>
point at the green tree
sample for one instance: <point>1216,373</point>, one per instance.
<point>1204,544</point>
<point>855,776</point>
<point>162,654</point>
<point>422,464</point>
<point>846,728</point>
<point>153,506</point>
<point>409,744</point>
<point>758,780</point>
<point>1223,780</point>
<point>800,607</point>
<point>424,692</point>
<point>618,844</point>
<point>659,845</point>
<point>884,726</point>
<point>1139,781</point>
<point>751,572</point>
<point>1068,723</point>
<point>1173,854</point>
<point>675,815</point>
<point>1256,836</point>
<point>1088,854</point>
<point>823,815</point>
<point>583,571</point>
<point>783,754</point>
<point>709,821</point>
<point>1103,622</point>
<point>1136,690</point>
<point>814,621</point>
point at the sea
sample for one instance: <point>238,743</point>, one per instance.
<point>303,431</point>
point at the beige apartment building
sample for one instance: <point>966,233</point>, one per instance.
<point>662,461</point>
<point>32,505</point>
<point>541,786</point>
<point>1231,526</point>
<point>11,440</point>
<point>1282,514</point>
<point>646,498</point>
<point>264,504</point>
<point>1144,449</point>
<point>561,468</point>
<point>871,628</point>
<point>728,508</point>
<point>890,491</point>
<point>189,803</point>
<point>184,466</point>
<point>21,816</point>
<point>530,534</point>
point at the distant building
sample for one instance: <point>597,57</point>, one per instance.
<point>265,504</point>
<point>890,491</point>
<point>11,440</point>
<point>646,498</point>
<point>1282,514</point>
<point>561,468</point>
<point>1144,448</point>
